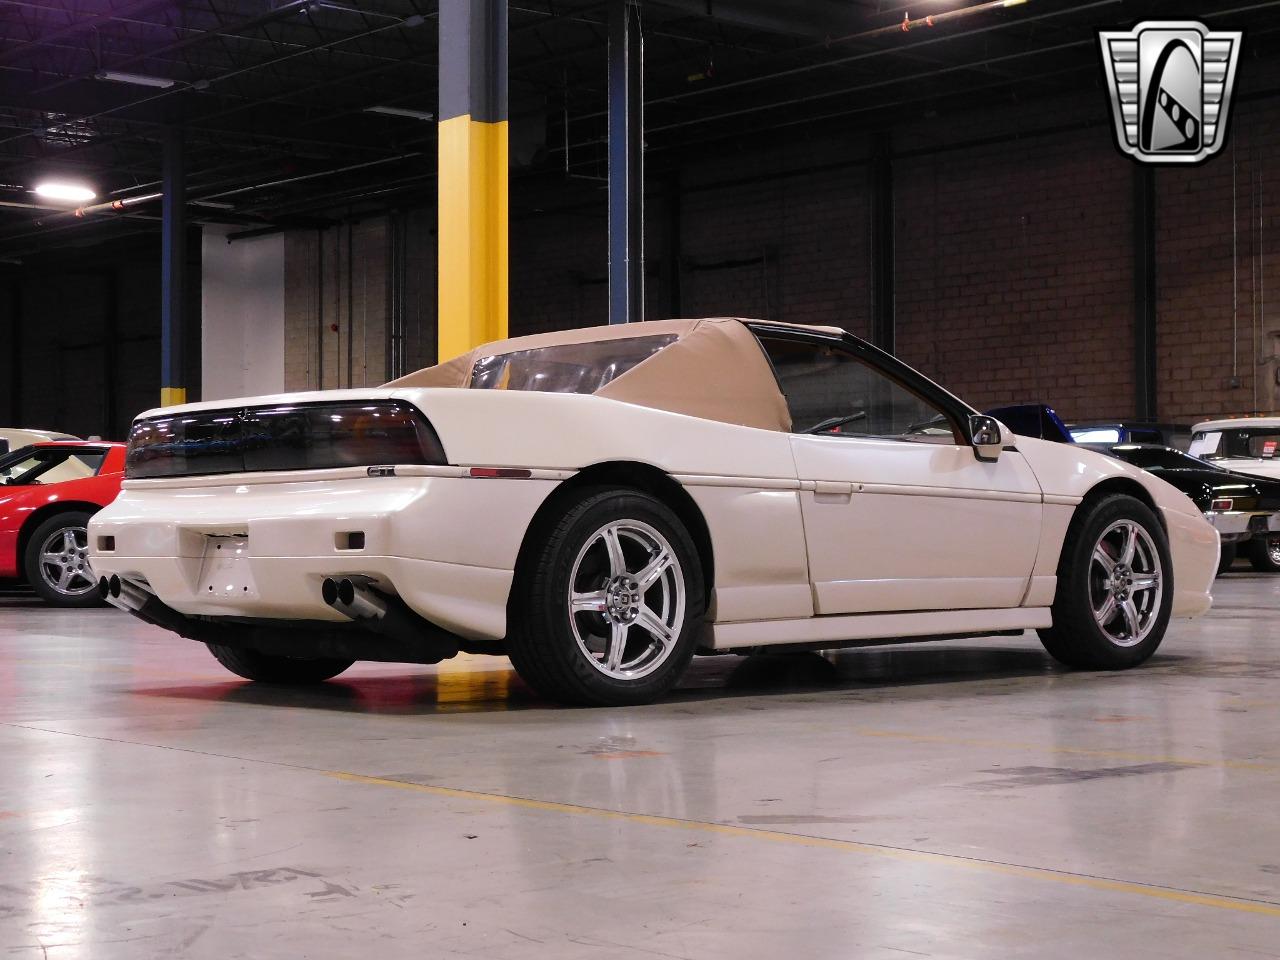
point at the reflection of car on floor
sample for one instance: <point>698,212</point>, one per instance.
<point>1244,510</point>
<point>1246,444</point>
<point>12,438</point>
<point>601,504</point>
<point>48,491</point>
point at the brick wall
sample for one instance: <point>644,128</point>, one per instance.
<point>1014,259</point>
<point>1217,345</point>
<point>790,247</point>
<point>1015,273</point>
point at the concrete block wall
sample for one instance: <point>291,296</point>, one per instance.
<point>335,311</point>
<point>80,337</point>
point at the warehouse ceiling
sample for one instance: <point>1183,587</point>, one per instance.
<point>290,108</point>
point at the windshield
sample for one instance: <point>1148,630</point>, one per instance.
<point>1095,434</point>
<point>43,465</point>
<point>1251,443</point>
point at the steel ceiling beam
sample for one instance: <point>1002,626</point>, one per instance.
<point>79,24</point>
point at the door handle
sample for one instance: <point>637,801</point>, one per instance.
<point>842,489</point>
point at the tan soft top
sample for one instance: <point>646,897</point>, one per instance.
<point>713,368</point>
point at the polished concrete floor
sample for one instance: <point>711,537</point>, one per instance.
<point>965,800</point>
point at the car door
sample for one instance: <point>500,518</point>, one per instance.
<point>899,514</point>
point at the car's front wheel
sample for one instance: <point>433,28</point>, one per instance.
<point>608,611</point>
<point>267,668</point>
<point>1115,587</point>
<point>1264,553</point>
<point>57,561</point>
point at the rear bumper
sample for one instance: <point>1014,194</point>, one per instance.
<point>445,545</point>
<point>1241,525</point>
<point>468,601</point>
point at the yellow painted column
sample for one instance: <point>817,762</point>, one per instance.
<point>472,186</point>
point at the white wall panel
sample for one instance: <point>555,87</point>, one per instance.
<point>242,314</point>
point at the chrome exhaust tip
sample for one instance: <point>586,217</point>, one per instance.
<point>346,591</point>
<point>329,591</point>
<point>355,598</point>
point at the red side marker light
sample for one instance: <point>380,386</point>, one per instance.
<point>500,473</point>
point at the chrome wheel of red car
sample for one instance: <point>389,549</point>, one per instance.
<point>64,562</point>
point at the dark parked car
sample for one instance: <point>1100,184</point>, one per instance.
<point>1244,509</point>
<point>1132,431</point>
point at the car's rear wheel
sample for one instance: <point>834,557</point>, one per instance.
<point>56,563</point>
<point>267,668</point>
<point>1227,557</point>
<point>1115,587</point>
<point>607,613</point>
<point>1264,553</point>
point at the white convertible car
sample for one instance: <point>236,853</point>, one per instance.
<point>602,504</point>
<point>1243,444</point>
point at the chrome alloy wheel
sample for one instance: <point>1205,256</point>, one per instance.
<point>1273,550</point>
<point>1125,583</point>
<point>64,562</point>
<point>626,599</point>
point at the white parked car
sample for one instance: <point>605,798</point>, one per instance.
<point>11,438</point>
<point>602,504</point>
<point>1245,444</point>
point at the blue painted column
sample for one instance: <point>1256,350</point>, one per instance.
<point>626,163</point>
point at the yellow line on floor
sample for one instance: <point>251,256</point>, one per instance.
<point>828,843</point>
<point>1227,763</point>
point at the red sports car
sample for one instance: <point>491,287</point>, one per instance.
<point>48,492</point>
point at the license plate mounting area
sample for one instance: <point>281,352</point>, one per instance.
<point>225,572</point>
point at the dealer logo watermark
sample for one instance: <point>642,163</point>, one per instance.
<point>1171,84</point>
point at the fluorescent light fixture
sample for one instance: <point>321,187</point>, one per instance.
<point>137,79</point>
<point>401,112</point>
<point>67,192</point>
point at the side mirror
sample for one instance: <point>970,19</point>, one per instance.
<point>986,436</point>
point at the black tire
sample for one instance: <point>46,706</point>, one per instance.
<point>266,668</point>
<point>1227,557</point>
<point>83,590</point>
<point>1264,554</point>
<point>1076,639</point>
<point>542,644</point>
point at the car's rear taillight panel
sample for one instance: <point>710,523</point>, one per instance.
<point>304,436</point>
